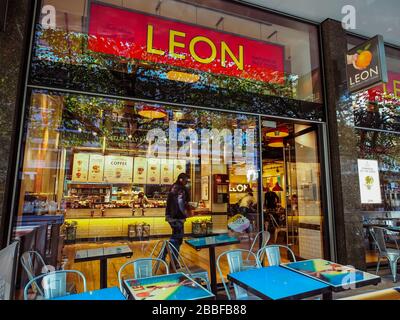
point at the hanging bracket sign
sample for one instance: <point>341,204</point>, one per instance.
<point>366,65</point>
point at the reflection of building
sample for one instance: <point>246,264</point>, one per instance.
<point>84,98</point>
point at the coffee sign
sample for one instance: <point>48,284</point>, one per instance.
<point>118,169</point>
<point>366,65</point>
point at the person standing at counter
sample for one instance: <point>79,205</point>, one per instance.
<point>177,209</point>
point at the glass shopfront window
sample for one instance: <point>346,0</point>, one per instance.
<point>107,166</point>
<point>376,117</point>
<point>124,96</point>
<point>175,51</point>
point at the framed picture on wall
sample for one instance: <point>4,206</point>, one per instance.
<point>204,188</point>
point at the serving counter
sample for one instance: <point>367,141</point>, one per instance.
<point>114,222</point>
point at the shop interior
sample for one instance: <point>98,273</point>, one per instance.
<point>105,167</point>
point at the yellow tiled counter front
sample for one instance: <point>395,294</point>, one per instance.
<point>118,227</point>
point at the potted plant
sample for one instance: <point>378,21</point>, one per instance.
<point>70,230</point>
<point>139,230</point>
<point>131,231</point>
<point>196,226</point>
<point>209,226</point>
<point>146,229</point>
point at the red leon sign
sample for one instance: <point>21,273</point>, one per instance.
<point>148,38</point>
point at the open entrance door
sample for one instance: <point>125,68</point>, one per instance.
<point>291,186</point>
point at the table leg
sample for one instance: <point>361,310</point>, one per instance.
<point>328,295</point>
<point>213,275</point>
<point>103,273</point>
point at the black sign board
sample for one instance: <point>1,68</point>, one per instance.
<point>366,65</point>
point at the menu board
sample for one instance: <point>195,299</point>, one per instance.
<point>96,168</point>
<point>153,171</point>
<point>370,186</point>
<point>80,167</point>
<point>179,167</point>
<point>140,173</point>
<point>167,171</point>
<point>118,169</point>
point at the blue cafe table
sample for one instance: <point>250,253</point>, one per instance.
<point>103,294</point>
<point>211,243</point>
<point>173,286</point>
<point>278,283</point>
<point>103,254</point>
<point>337,276</point>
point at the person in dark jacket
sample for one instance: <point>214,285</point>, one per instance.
<point>177,209</point>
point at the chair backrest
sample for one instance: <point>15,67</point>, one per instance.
<point>142,268</point>
<point>274,223</point>
<point>53,284</point>
<point>8,270</point>
<point>378,235</point>
<point>273,254</point>
<point>166,246</point>
<point>265,236</point>
<point>29,261</point>
<point>236,263</point>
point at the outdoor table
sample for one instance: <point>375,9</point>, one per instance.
<point>337,276</point>
<point>103,254</point>
<point>386,294</point>
<point>103,294</point>
<point>174,286</point>
<point>277,283</point>
<point>211,243</point>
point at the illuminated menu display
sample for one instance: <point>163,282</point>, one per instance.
<point>118,169</point>
<point>96,168</point>
<point>80,167</point>
<point>140,173</point>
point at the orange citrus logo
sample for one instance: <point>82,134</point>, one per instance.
<point>363,58</point>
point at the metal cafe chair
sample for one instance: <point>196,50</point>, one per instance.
<point>178,262</point>
<point>273,254</point>
<point>142,268</point>
<point>265,237</point>
<point>393,255</point>
<point>28,261</point>
<point>277,227</point>
<point>51,285</point>
<point>237,263</point>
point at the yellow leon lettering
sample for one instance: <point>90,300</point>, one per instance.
<point>175,44</point>
<point>226,50</point>
<point>150,49</point>
<point>196,57</point>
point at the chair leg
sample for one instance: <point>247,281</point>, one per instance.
<point>393,268</point>
<point>276,235</point>
<point>379,263</point>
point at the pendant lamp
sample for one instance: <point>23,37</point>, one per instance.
<point>276,143</point>
<point>279,132</point>
<point>152,112</point>
<point>277,187</point>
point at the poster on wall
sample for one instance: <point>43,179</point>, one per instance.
<point>370,187</point>
<point>167,171</point>
<point>96,168</point>
<point>118,169</point>
<point>153,171</point>
<point>140,173</point>
<point>80,167</point>
<point>179,167</point>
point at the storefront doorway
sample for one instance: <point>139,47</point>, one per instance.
<point>291,183</point>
